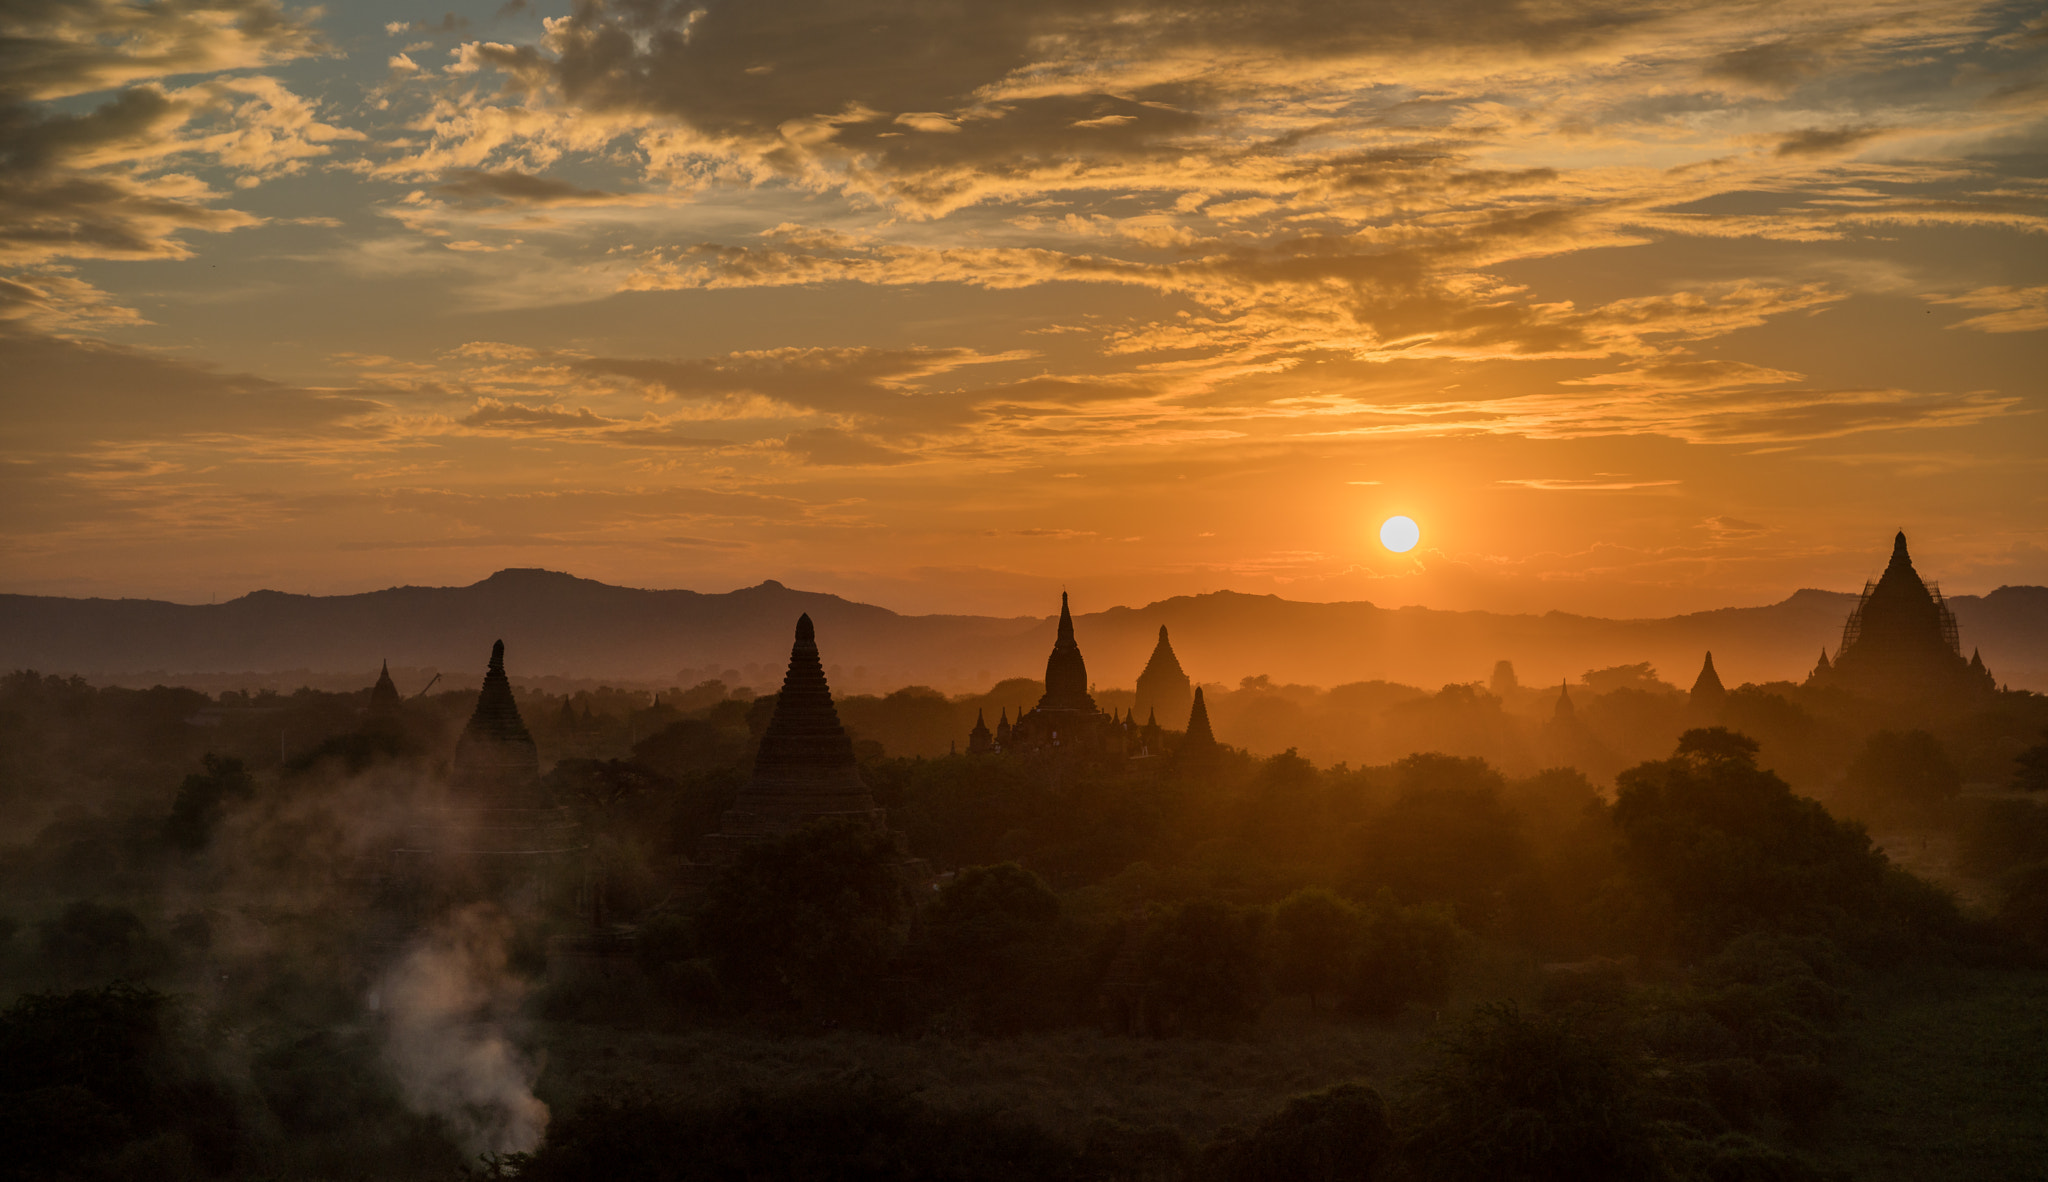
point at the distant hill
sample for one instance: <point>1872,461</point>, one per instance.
<point>557,624</point>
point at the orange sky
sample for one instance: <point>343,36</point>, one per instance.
<point>1636,307</point>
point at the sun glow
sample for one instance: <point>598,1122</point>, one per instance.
<point>1400,534</point>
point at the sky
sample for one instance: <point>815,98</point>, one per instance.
<point>1635,307</point>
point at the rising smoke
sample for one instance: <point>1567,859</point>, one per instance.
<point>445,1006</point>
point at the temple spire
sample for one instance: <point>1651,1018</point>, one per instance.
<point>495,755</point>
<point>805,765</point>
<point>1707,687</point>
<point>1164,684</point>
<point>1565,710</point>
<point>384,694</point>
<point>1066,674</point>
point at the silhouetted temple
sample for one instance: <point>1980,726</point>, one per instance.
<point>1163,686</point>
<point>1901,641</point>
<point>805,770</point>
<point>1068,725</point>
<point>1199,748</point>
<point>1066,718</point>
<point>384,695</point>
<point>495,833</point>
<point>1708,694</point>
<point>495,759</point>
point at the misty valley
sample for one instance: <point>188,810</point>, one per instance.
<point>1613,928</point>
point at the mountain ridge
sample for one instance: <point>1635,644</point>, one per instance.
<point>557,623</point>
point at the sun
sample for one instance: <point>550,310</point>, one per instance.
<point>1400,534</point>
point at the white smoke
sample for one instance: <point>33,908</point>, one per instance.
<point>444,1006</point>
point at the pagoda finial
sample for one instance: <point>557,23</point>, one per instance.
<point>806,633</point>
<point>498,656</point>
<point>1066,621</point>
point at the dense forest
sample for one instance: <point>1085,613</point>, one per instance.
<point>1447,935</point>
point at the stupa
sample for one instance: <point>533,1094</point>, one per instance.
<point>805,771</point>
<point>1163,687</point>
<point>1066,720</point>
<point>1901,642</point>
<point>493,834</point>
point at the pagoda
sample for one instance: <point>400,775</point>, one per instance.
<point>1708,697</point>
<point>494,833</point>
<point>804,772</point>
<point>1066,720</point>
<point>1199,749</point>
<point>1164,686</point>
<point>1901,642</point>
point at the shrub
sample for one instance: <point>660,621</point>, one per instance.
<point>1337,1135</point>
<point>1902,777</point>
<point>810,920</point>
<point>1729,848</point>
<point>819,1133</point>
<point>1515,1096</point>
<point>1316,937</point>
<point>1203,966</point>
<point>1404,957</point>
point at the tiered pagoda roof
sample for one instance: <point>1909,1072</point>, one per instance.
<point>495,755</point>
<point>1066,674</point>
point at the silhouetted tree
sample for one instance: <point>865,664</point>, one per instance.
<point>990,933</point>
<point>1728,847</point>
<point>811,919</point>
<point>1902,776</point>
<point>202,800</point>
<point>1448,837</point>
<point>2031,771</point>
<point>1531,1098</point>
<point>89,939</point>
<point>85,1075</point>
<point>1404,956</point>
<point>1337,1135</point>
<point>1204,968</point>
<point>797,1136</point>
<point>1316,938</point>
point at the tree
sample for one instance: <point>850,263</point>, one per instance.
<point>991,932</point>
<point>202,800</point>
<point>1337,1135</point>
<point>1404,956</point>
<point>95,940</point>
<point>810,920</point>
<point>1729,848</point>
<point>2032,773</point>
<point>1315,943</point>
<point>85,1074</point>
<point>1528,1098</point>
<point>1903,775</point>
<point>1204,968</point>
<point>1448,837</point>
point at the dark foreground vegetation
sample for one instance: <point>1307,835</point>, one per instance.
<point>1430,968</point>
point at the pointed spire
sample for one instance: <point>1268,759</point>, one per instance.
<point>1822,666</point>
<point>1164,682</point>
<point>805,764</point>
<point>1565,711</point>
<point>384,694</point>
<point>1707,686</point>
<point>1198,747</point>
<point>1066,674</point>
<point>495,754</point>
<point>1198,723</point>
<point>1976,660</point>
<point>1152,719</point>
<point>979,741</point>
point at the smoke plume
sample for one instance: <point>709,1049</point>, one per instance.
<point>445,1004</point>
